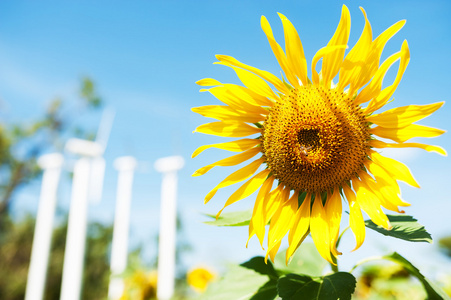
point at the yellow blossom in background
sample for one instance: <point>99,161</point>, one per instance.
<point>316,140</point>
<point>141,285</point>
<point>199,278</point>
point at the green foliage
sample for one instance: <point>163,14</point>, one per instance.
<point>236,218</point>
<point>387,282</point>
<point>88,93</point>
<point>260,280</point>
<point>238,283</point>
<point>33,138</point>
<point>432,291</point>
<point>445,245</point>
<point>339,285</point>
<point>258,265</point>
<point>404,227</point>
<point>301,279</point>
<point>305,260</point>
<point>15,250</point>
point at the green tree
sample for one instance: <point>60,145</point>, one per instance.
<point>43,134</point>
<point>15,251</point>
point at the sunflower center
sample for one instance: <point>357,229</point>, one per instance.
<point>315,139</point>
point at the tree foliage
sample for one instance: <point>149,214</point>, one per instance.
<point>15,251</point>
<point>22,143</point>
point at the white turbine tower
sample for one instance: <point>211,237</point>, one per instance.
<point>119,248</point>
<point>87,184</point>
<point>168,222</point>
<point>51,165</point>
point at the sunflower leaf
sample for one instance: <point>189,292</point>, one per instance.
<point>258,264</point>
<point>339,285</point>
<point>236,218</point>
<point>404,227</point>
<point>306,260</point>
<point>433,292</point>
<point>241,283</point>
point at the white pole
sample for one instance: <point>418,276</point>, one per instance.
<point>76,232</point>
<point>51,164</point>
<point>168,219</point>
<point>119,248</point>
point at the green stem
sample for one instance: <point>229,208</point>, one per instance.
<point>341,235</point>
<point>334,266</point>
<point>365,261</point>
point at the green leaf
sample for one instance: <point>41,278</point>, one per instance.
<point>404,227</point>
<point>306,260</point>
<point>266,292</point>
<point>434,293</point>
<point>258,265</point>
<point>236,218</point>
<point>339,285</point>
<point>241,284</point>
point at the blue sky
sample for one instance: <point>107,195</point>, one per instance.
<point>145,58</point>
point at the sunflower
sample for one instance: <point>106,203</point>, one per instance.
<point>199,278</point>
<point>317,140</point>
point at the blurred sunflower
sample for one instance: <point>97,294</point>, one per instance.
<point>199,278</point>
<point>316,140</point>
<point>141,285</point>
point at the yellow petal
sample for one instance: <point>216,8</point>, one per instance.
<point>246,189</point>
<point>356,221</point>
<point>301,224</point>
<point>373,89</point>
<point>228,129</point>
<point>354,70</point>
<point>237,176</point>
<point>278,52</point>
<point>229,161</point>
<point>226,95</point>
<point>234,146</point>
<point>254,83</point>
<point>385,193</point>
<point>372,64</point>
<point>272,253</point>
<point>333,210</point>
<point>226,113</point>
<point>271,202</point>
<point>300,228</point>
<point>282,219</point>
<point>294,50</point>
<point>386,93</point>
<point>430,148</point>
<point>396,169</point>
<point>321,54</point>
<point>332,61</point>
<point>369,202</point>
<point>258,222</point>
<point>381,175</point>
<point>271,78</point>
<point>403,134</point>
<point>403,116</point>
<point>249,95</point>
<point>208,82</point>
<point>319,228</point>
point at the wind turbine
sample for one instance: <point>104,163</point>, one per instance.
<point>87,184</point>
<point>51,165</point>
<point>119,248</point>
<point>168,166</point>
